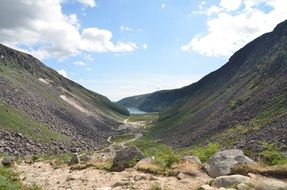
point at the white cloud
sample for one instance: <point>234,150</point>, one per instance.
<point>90,3</point>
<point>230,5</point>
<point>42,29</point>
<point>126,28</point>
<point>79,63</point>
<point>163,5</point>
<point>63,73</point>
<point>229,31</point>
<point>98,40</point>
<point>145,46</point>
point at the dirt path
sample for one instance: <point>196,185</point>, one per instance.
<point>48,177</point>
<point>127,125</point>
<point>45,176</point>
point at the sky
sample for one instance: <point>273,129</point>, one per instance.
<point>120,48</point>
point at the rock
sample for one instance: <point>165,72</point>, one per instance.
<point>140,177</point>
<point>8,161</point>
<point>145,161</point>
<point>180,176</point>
<point>243,186</point>
<point>85,158</point>
<point>153,178</point>
<point>229,181</point>
<point>75,159</point>
<point>221,163</point>
<point>187,168</point>
<point>123,183</point>
<point>126,158</point>
<point>270,184</point>
<point>193,159</point>
<point>206,187</point>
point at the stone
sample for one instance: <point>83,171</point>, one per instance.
<point>206,187</point>
<point>220,164</point>
<point>193,159</point>
<point>86,158</point>
<point>270,184</point>
<point>243,186</point>
<point>126,158</point>
<point>229,181</point>
<point>140,177</point>
<point>75,159</point>
<point>123,183</point>
<point>8,161</point>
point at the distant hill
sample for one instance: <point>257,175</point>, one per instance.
<point>41,111</point>
<point>242,104</point>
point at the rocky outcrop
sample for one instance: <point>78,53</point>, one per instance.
<point>229,181</point>
<point>8,161</point>
<point>221,163</point>
<point>75,159</point>
<point>126,158</point>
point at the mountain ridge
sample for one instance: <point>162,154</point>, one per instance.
<point>49,112</point>
<point>228,100</point>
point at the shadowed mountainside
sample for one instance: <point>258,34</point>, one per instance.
<point>41,111</point>
<point>241,104</point>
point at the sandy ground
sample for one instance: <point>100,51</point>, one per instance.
<point>45,176</point>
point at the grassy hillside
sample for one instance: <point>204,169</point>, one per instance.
<point>47,108</point>
<point>240,105</point>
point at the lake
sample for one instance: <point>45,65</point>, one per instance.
<point>135,111</point>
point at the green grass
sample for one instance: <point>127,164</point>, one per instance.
<point>272,155</point>
<point>16,121</point>
<point>148,117</point>
<point>164,155</point>
<point>203,153</point>
<point>122,138</point>
<point>9,180</point>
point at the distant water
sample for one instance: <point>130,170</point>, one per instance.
<point>135,111</point>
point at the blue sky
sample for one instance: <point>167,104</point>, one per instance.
<point>120,48</point>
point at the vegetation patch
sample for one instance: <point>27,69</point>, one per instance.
<point>271,155</point>
<point>148,118</point>
<point>203,153</point>
<point>279,171</point>
<point>122,138</point>
<point>9,180</point>
<point>164,155</point>
<point>16,121</point>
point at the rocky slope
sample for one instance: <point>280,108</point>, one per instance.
<point>241,104</point>
<point>43,112</point>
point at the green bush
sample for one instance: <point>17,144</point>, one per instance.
<point>167,158</point>
<point>272,155</point>
<point>204,153</point>
<point>8,180</point>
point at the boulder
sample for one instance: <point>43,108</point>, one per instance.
<point>270,184</point>
<point>8,161</point>
<point>75,159</point>
<point>144,161</point>
<point>123,183</point>
<point>221,163</point>
<point>126,158</point>
<point>86,158</point>
<point>193,159</point>
<point>140,177</point>
<point>229,181</point>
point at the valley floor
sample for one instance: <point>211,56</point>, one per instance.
<point>44,175</point>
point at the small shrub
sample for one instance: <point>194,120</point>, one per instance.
<point>271,155</point>
<point>10,181</point>
<point>156,186</point>
<point>204,153</point>
<point>167,158</point>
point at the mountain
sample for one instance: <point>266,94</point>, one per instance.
<point>43,112</point>
<point>242,104</point>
